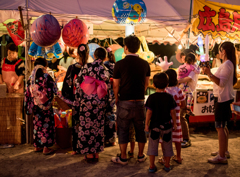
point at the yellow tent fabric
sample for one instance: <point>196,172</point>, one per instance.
<point>216,19</point>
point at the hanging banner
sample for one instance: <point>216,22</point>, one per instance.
<point>216,19</point>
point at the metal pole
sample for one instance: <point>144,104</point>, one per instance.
<point>190,17</point>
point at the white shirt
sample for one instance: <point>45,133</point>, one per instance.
<point>193,83</point>
<point>224,91</point>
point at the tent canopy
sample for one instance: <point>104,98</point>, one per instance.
<point>163,16</point>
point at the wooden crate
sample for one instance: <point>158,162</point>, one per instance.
<point>10,115</point>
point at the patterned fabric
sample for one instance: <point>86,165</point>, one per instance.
<point>89,112</point>
<point>68,83</point>
<point>178,97</point>
<point>110,118</point>
<point>43,120</point>
<point>187,93</point>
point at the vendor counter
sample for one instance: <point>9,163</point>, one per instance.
<point>11,118</point>
<point>203,104</point>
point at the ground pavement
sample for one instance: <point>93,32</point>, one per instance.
<point>22,161</point>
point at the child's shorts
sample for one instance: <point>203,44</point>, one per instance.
<point>131,133</point>
<point>167,149</point>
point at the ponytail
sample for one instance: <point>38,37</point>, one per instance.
<point>83,52</point>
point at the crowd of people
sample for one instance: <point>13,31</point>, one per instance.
<point>108,100</point>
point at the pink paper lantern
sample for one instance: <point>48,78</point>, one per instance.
<point>74,33</point>
<point>45,30</point>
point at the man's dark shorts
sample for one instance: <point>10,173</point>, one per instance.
<point>127,112</point>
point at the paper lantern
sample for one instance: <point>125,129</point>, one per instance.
<point>45,30</point>
<point>92,48</point>
<point>114,47</point>
<point>75,32</point>
<point>119,54</point>
<point>129,11</point>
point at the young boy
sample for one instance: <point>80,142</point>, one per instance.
<point>12,70</point>
<point>160,110</point>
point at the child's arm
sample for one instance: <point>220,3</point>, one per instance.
<point>19,81</point>
<point>173,114</point>
<point>185,79</point>
<point>183,104</point>
<point>148,117</point>
<point>196,69</point>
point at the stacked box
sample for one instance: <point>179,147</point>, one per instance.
<point>10,118</point>
<point>3,90</point>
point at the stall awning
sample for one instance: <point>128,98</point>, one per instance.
<point>217,19</point>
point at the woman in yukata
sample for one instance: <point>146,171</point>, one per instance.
<point>110,118</point>
<point>92,96</point>
<point>68,89</point>
<point>38,100</point>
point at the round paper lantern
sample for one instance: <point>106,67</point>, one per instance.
<point>75,32</point>
<point>92,48</point>
<point>129,11</point>
<point>118,54</point>
<point>114,47</point>
<point>45,30</point>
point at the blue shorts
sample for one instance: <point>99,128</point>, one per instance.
<point>220,124</point>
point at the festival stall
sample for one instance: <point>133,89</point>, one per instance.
<point>221,21</point>
<point>167,20</point>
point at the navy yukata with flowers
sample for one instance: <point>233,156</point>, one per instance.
<point>89,112</point>
<point>110,118</point>
<point>43,120</point>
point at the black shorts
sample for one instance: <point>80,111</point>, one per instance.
<point>222,110</point>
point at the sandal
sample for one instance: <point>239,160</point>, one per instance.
<point>38,149</point>
<point>96,157</point>
<point>87,159</point>
<point>48,152</point>
<point>176,160</point>
<point>161,160</point>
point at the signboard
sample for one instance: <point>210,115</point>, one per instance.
<point>217,19</point>
<point>204,102</point>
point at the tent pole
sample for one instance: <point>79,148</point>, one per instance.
<point>27,71</point>
<point>190,18</point>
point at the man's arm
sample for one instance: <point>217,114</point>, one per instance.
<point>146,83</point>
<point>116,83</point>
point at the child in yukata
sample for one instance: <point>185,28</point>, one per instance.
<point>183,72</point>
<point>12,71</point>
<point>160,111</point>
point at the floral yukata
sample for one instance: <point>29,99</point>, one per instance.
<point>43,120</point>
<point>90,110</point>
<point>110,119</point>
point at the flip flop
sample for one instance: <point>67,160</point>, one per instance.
<point>161,160</point>
<point>174,158</point>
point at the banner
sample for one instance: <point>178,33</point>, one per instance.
<point>216,19</point>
